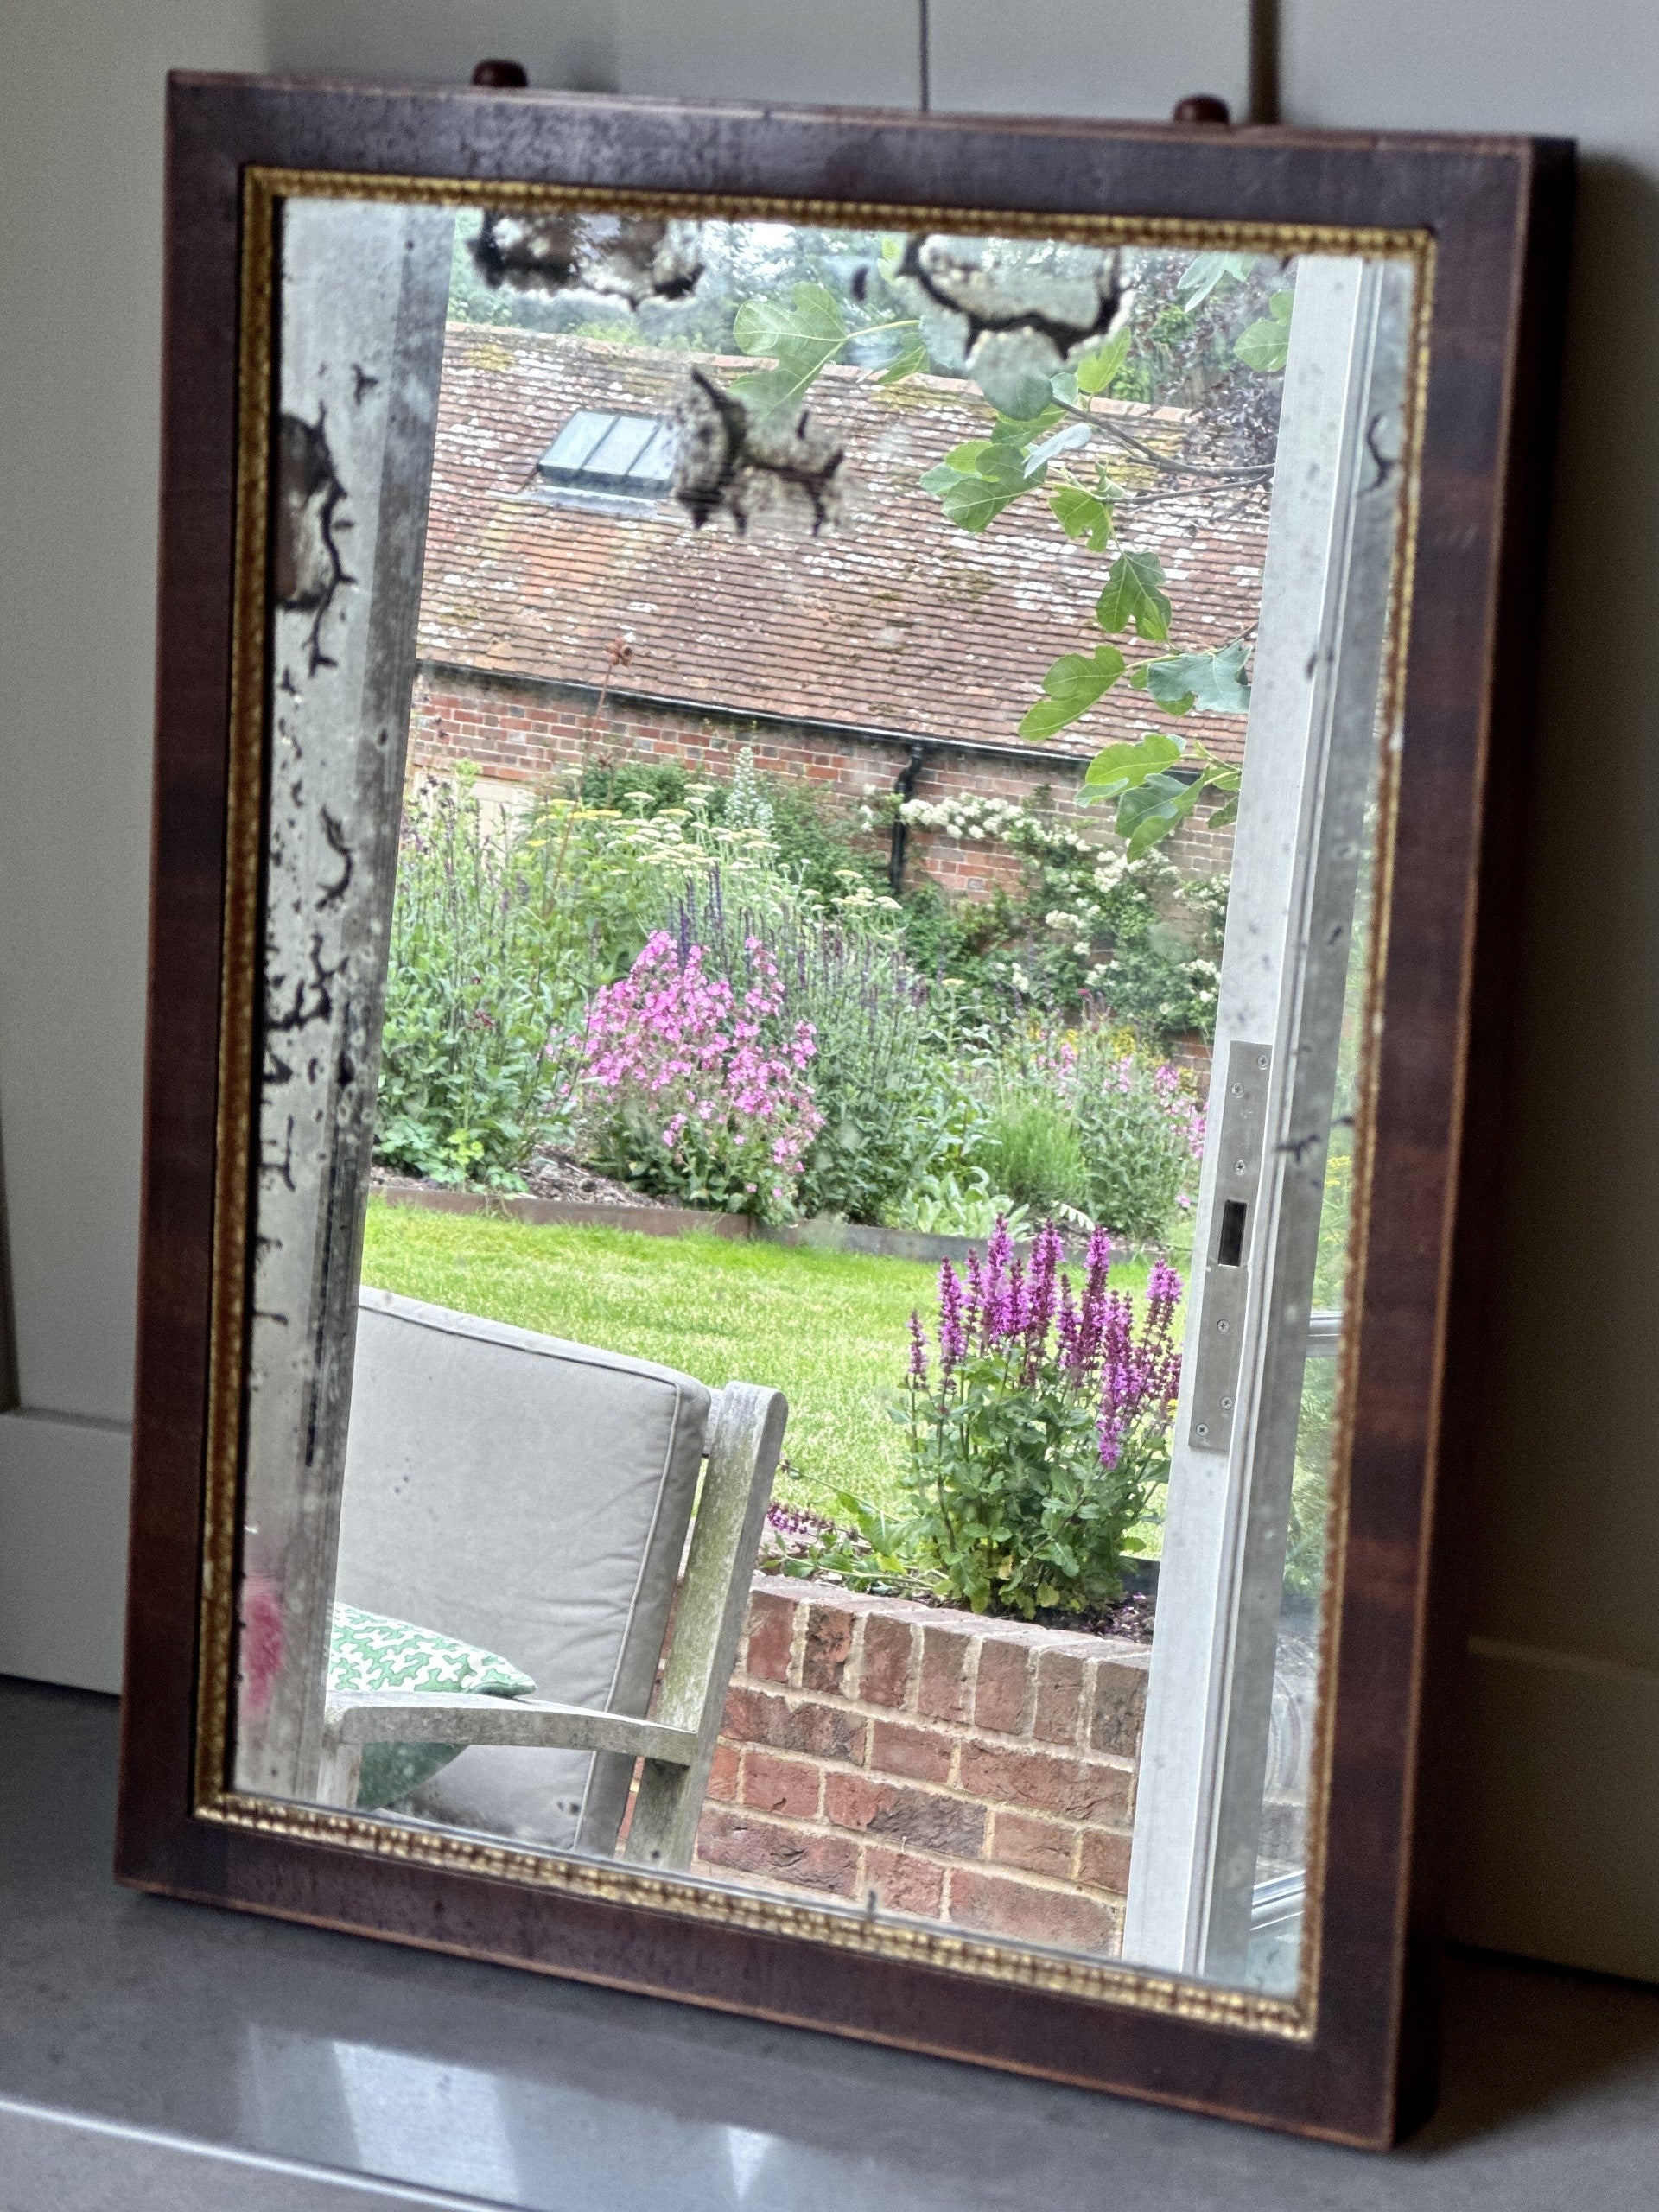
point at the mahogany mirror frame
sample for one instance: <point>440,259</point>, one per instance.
<point>1352,2056</point>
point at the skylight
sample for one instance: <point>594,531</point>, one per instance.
<point>608,460</point>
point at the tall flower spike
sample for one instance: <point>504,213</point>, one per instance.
<point>1011,1303</point>
<point>953,1340</point>
<point>1066,1328</point>
<point>918,1351</point>
<point>973,1308</point>
<point>999,1254</point>
<point>1000,1251</point>
<point>1045,1268</point>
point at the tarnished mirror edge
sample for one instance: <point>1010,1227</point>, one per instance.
<point>1293,2018</point>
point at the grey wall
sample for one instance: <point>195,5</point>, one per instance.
<point>1561,1788</point>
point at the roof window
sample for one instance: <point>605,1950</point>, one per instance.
<point>613,462</point>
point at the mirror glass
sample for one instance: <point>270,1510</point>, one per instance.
<point>822,791</point>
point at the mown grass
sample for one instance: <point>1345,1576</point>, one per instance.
<point>826,1328</point>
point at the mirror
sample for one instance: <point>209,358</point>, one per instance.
<point>826,793</point>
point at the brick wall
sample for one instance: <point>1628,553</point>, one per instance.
<point>526,734</point>
<point>979,1773</point>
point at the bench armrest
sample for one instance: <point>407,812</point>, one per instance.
<point>437,1717</point>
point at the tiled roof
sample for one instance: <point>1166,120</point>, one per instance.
<point>895,619</point>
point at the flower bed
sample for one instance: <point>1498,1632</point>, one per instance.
<point>974,1772</point>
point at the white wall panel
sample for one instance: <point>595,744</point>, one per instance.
<point>1561,1779</point>
<point>1088,57</point>
<point>572,45</point>
<point>63,1550</point>
<point>80,259</point>
<point>863,51</point>
<point>866,52</point>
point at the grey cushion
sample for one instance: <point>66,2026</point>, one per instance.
<point>532,1497</point>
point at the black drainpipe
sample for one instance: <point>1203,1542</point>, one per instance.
<point>904,785</point>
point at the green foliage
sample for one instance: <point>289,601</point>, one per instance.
<point>635,787</point>
<point>504,927</point>
<point>981,476</point>
<point>1210,272</point>
<point>959,1201</point>
<point>1134,597</point>
<point>1091,927</point>
<point>1033,1150</point>
<point>816,844</point>
<point>883,1072</point>
<point>1265,347</point>
<point>478,987</point>
<point>1083,515</point>
<point>1099,369</point>
<point>1013,1508</point>
<point>1085,1122</point>
<point>1152,797</point>
<point>803,336</point>
<point>1073,684</point>
<point>1035,1452</point>
<point>1141,1147</point>
<point>1214,682</point>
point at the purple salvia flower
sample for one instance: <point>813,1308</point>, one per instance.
<point>1044,1267</point>
<point>999,1253</point>
<point>1109,1435</point>
<point>973,1309</point>
<point>1067,1328</point>
<point>953,1337</point>
<point>1010,1315</point>
<point>918,1351</point>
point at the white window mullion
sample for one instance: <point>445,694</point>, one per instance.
<point>1310,760</point>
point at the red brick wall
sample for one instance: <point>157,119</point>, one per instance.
<point>977,1772</point>
<point>527,733</point>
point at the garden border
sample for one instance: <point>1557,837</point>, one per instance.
<point>821,1234</point>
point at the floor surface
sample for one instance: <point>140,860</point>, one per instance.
<point>154,2053</point>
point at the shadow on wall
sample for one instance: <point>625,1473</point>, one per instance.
<point>1567,1532</point>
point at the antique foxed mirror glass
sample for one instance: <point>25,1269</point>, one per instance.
<point>825,816</point>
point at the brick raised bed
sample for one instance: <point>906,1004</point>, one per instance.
<point>977,1772</point>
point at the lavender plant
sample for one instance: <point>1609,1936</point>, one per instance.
<point>1039,1425</point>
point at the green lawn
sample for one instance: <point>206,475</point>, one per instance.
<point>826,1328</point>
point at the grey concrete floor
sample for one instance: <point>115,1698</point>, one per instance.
<point>158,2054</point>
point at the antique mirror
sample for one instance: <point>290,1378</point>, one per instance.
<point>817,1145</point>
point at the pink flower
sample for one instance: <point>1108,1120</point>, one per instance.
<point>716,1074</point>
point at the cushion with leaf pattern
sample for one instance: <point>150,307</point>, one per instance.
<point>371,1651</point>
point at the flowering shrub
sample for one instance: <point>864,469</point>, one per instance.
<point>694,1093</point>
<point>1086,1121</point>
<point>1039,1425</point>
<point>1141,1129</point>
<point>1133,933</point>
<point>894,1107</point>
<point>480,973</point>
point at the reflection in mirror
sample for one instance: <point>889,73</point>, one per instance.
<point>824,791</point>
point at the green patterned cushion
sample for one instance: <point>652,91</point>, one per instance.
<point>368,1651</point>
